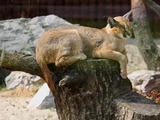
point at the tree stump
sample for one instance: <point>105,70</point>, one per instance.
<point>86,89</point>
<point>133,106</point>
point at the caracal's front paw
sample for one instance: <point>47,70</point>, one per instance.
<point>124,75</point>
<point>62,62</point>
<point>82,57</point>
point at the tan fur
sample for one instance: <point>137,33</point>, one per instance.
<point>67,44</point>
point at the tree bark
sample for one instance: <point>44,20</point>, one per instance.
<point>133,106</point>
<point>17,61</point>
<point>3,74</point>
<point>145,43</point>
<point>86,89</point>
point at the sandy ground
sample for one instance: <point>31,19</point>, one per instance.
<point>14,107</point>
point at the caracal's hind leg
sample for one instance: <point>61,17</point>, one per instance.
<point>47,76</point>
<point>68,60</point>
<point>114,55</point>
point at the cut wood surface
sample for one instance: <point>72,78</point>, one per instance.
<point>133,106</point>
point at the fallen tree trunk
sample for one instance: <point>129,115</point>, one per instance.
<point>17,61</point>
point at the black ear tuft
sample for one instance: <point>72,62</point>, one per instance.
<point>112,22</point>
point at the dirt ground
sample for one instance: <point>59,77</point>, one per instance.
<point>16,109</point>
<point>13,105</point>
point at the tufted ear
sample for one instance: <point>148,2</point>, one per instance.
<point>112,22</point>
<point>128,14</point>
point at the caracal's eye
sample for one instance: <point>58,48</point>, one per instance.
<point>128,34</point>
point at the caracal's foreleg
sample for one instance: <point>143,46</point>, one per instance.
<point>114,55</point>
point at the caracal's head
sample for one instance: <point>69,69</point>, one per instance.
<point>119,27</point>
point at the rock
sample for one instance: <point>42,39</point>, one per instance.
<point>21,34</point>
<point>42,99</point>
<point>52,19</point>
<point>145,80</point>
<point>135,59</point>
<point>17,78</point>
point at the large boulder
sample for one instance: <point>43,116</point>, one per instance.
<point>21,34</point>
<point>21,79</point>
<point>145,80</point>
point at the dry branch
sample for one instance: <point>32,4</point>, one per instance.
<point>20,62</point>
